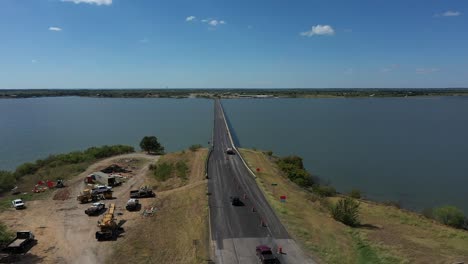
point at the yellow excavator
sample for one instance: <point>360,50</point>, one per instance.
<point>108,226</point>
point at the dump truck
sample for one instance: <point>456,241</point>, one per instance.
<point>265,255</point>
<point>143,192</point>
<point>133,205</point>
<point>95,209</point>
<point>107,225</point>
<point>19,244</point>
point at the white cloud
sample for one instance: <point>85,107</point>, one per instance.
<point>427,70</point>
<point>96,2</point>
<point>143,41</point>
<point>319,30</point>
<point>449,14</point>
<point>33,61</point>
<point>55,29</point>
<point>213,22</point>
<point>349,71</point>
<point>249,27</point>
<point>190,18</point>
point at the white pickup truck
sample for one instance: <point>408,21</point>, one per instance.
<point>101,189</point>
<point>18,204</point>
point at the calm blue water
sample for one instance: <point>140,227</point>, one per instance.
<point>412,150</point>
<point>34,128</point>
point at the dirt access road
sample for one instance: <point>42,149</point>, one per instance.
<point>64,232</point>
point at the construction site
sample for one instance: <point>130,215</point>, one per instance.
<point>74,219</point>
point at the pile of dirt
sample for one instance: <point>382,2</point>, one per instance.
<point>62,195</point>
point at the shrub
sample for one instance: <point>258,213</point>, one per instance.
<point>26,169</point>
<point>5,235</point>
<point>195,147</point>
<point>449,215</point>
<point>163,171</point>
<point>7,181</point>
<point>324,190</point>
<point>346,211</point>
<point>355,193</point>
<point>182,169</point>
<point>293,167</point>
<point>269,153</point>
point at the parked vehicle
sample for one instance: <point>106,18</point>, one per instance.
<point>59,184</point>
<point>19,244</point>
<point>133,205</point>
<point>230,151</point>
<point>95,209</point>
<point>86,196</point>
<point>101,189</point>
<point>18,204</point>
<point>265,255</point>
<point>108,227</point>
<point>143,192</point>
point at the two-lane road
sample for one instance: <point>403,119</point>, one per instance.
<point>237,230</point>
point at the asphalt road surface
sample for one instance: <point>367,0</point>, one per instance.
<point>237,230</point>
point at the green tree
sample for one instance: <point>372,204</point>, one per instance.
<point>449,215</point>
<point>346,211</point>
<point>151,144</point>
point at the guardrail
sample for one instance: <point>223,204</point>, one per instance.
<point>234,146</point>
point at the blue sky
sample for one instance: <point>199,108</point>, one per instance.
<point>233,44</point>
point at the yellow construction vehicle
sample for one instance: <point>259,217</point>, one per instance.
<point>108,226</point>
<point>87,196</point>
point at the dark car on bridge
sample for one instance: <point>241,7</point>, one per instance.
<point>236,201</point>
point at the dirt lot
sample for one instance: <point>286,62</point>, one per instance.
<point>64,232</point>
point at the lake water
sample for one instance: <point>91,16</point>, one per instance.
<point>412,150</point>
<point>34,128</point>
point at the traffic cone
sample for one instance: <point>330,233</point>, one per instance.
<point>263,223</point>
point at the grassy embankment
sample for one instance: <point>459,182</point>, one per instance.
<point>61,166</point>
<point>178,232</point>
<point>387,234</point>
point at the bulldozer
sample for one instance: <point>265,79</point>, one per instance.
<point>88,196</point>
<point>108,226</point>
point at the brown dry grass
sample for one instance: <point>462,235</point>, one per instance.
<point>392,235</point>
<point>178,232</point>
